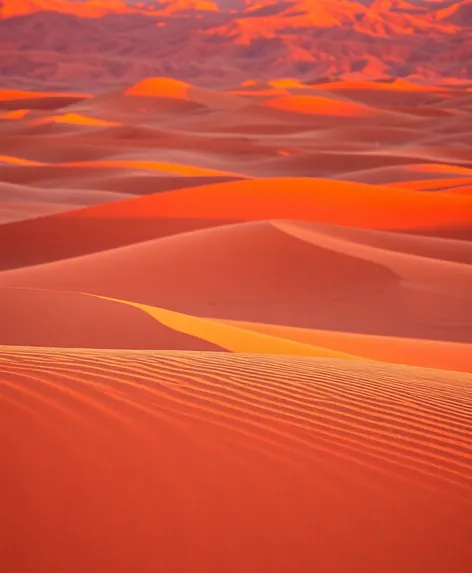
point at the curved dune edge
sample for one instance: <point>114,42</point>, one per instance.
<point>363,205</point>
<point>118,449</point>
<point>234,338</point>
<point>17,160</point>
<point>260,338</point>
<point>78,119</point>
<point>387,349</point>
<point>172,89</point>
<point>53,318</point>
<point>229,337</point>
<point>164,166</point>
<point>319,105</point>
<point>161,87</point>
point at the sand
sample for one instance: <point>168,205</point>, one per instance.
<point>190,461</point>
<point>236,322</point>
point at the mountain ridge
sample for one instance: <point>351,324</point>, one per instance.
<point>113,42</point>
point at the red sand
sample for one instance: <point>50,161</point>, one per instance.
<point>181,461</point>
<point>237,323</point>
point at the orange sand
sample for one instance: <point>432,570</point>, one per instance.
<point>237,323</point>
<point>319,105</point>
<point>173,460</point>
<point>362,205</point>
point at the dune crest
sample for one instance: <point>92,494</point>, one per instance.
<point>366,206</point>
<point>160,87</point>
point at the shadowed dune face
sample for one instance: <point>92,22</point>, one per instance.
<point>235,288</point>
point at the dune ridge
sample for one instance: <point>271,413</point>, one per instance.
<point>324,281</point>
<point>306,199</point>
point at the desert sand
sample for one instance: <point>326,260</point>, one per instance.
<point>235,295</point>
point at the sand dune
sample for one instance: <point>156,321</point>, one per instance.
<point>193,448</point>
<point>78,119</point>
<point>387,349</point>
<point>235,278</point>
<point>446,185</point>
<point>322,281</point>
<point>174,89</point>
<point>408,173</point>
<point>11,212</point>
<point>75,197</point>
<point>234,336</point>
<point>55,237</point>
<point>42,318</point>
<point>307,199</point>
<point>319,106</point>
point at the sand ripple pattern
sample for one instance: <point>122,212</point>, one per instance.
<point>187,461</point>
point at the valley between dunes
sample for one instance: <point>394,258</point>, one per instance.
<point>236,328</point>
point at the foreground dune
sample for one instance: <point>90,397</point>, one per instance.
<point>139,461</point>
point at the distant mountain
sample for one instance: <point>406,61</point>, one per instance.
<point>110,42</point>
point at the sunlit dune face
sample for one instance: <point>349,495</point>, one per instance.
<point>286,83</point>
<point>15,114</point>
<point>78,119</point>
<point>465,191</point>
<point>161,88</point>
<point>364,206</point>
<point>428,353</point>
<point>229,337</point>
<point>313,105</point>
<point>17,160</point>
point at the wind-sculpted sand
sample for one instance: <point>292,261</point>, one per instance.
<point>236,325</point>
<point>183,460</point>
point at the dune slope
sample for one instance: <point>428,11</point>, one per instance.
<point>275,273</point>
<point>183,461</point>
